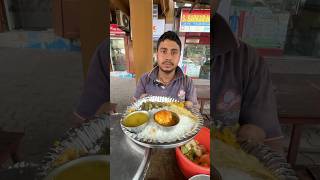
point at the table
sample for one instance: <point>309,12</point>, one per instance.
<point>145,163</point>
<point>298,99</point>
<point>128,160</point>
<point>163,163</point>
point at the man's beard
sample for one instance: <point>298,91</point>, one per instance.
<point>167,71</point>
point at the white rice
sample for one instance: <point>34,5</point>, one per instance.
<point>153,132</point>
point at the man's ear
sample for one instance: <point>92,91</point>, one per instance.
<point>157,57</point>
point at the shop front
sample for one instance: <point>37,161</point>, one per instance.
<point>121,66</point>
<point>196,55</point>
<point>117,48</point>
<point>194,30</point>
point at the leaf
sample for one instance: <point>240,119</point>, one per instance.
<point>184,150</point>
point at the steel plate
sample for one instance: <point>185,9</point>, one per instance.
<point>157,144</point>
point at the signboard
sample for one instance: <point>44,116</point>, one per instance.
<point>193,41</point>
<point>115,30</point>
<point>198,20</point>
<point>259,26</point>
<point>158,27</point>
<point>198,40</point>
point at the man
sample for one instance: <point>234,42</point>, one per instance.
<point>96,90</point>
<point>167,79</point>
<point>241,88</point>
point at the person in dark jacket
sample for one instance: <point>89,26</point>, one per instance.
<point>241,87</point>
<point>167,78</point>
<point>96,89</point>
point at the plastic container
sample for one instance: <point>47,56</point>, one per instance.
<point>189,168</point>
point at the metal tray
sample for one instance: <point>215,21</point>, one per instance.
<point>122,149</point>
<point>157,144</point>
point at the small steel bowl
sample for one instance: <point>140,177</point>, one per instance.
<point>138,128</point>
<point>200,177</point>
<point>175,117</point>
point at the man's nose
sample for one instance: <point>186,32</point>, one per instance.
<point>168,56</point>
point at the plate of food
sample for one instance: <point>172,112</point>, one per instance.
<point>246,159</point>
<point>88,140</point>
<point>161,122</point>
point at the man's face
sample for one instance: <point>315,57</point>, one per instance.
<point>168,55</point>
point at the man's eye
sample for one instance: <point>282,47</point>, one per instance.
<point>163,51</point>
<point>174,53</point>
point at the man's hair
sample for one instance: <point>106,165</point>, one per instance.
<point>170,35</point>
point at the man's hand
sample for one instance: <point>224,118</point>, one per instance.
<point>133,99</point>
<point>251,133</point>
<point>107,108</point>
<point>255,134</point>
<point>143,95</point>
<point>77,120</point>
<point>188,104</point>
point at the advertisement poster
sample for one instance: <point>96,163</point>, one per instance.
<point>115,30</point>
<point>198,20</point>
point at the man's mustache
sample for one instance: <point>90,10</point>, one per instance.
<point>165,62</point>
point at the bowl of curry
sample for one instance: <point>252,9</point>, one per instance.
<point>88,167</point>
